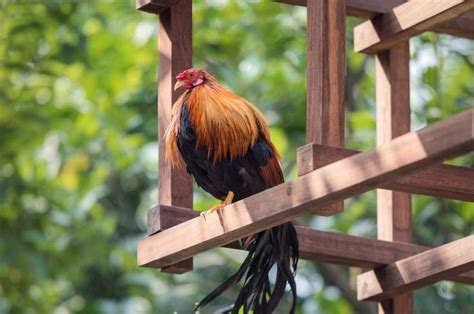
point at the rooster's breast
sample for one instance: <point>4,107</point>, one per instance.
<point>240,175</point>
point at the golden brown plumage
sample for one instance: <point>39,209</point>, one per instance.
<point>222,117</point>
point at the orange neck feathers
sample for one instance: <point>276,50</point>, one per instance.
<point>226,124</point>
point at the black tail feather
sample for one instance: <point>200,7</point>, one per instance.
<point>274,247</point>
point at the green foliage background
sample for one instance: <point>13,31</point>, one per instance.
<point>78,151</point>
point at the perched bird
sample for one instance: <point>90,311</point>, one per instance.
<point>224,142</point>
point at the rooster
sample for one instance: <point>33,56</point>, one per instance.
<point>224,142</point>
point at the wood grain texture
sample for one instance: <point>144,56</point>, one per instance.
<point>175,55</point>
<point>405,21</point>
<point>392,78</point>
<point>462,26</point>
<point>392,90</point>
<point>394,211</point>
<point>329,247</point>
<point>417,271</point>
<point>362,172</point>
<point>161,217</point>
<point>154,6</point>
<point>453,182</point>
<point>326,70</point>
<point>369,9</point>
<point>358,8</point>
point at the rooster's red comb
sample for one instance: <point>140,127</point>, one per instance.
<point>181,76</point>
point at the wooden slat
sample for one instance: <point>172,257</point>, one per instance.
<point>154,6</point>
<point>462,26</point>
<point>369,9</point>
<point>329,247</point>
<point>358,8</point>
<point>394,212</point>
<point>404,21</point>
<point>362,172</point>
<point>444,181</point>
<point>175,55</point>
<point>453,182</point>
<point>417,271</point>
<point>326,75</point>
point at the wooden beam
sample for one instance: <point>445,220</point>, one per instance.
<point>462,26</point>
<point>394,212</point>
<point>358,8</point>
<point>175,186</point>
<point>362,172</point>
<point>326,72</point>
<point>154,6</point>
<point>445,181</point>
<point>405,21</point>
<point>417,271</point>
<point>327,247</point>
<point>369,9</point>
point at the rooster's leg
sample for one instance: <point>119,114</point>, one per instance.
<point>228,199</point>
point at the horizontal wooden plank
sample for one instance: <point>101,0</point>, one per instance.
<point>358,8</point>
<point>405,21</point>
<point>462,26</point>
<point>152,6</point>
<point>446,181</point>
<point>417,271</point>
<point>354,251</point>
<point>368,9</point>
<point>362,172</point>
<point>328,247</point>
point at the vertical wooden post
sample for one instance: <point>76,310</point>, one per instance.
<point>326,71</point>
<point>175,55</point>
<point>394,217</point>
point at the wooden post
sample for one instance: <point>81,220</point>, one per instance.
<point>394,219</point>
<point>175,55</point>
<point>326,75</point>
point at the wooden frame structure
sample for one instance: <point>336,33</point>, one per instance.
<point>403,162</point>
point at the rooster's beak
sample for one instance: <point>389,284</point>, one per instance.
<point>178,84</point>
